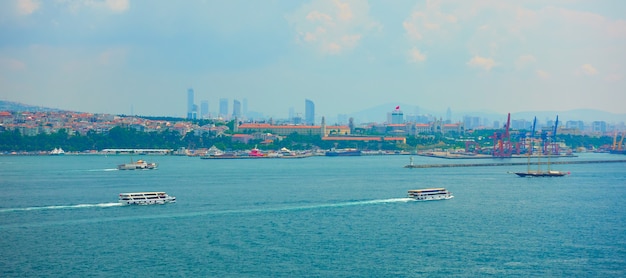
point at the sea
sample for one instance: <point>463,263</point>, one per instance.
<point>310,217</point>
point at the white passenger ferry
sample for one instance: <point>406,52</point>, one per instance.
<point>146,198</point>
<point>430,194</point>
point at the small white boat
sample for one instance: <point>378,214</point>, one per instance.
<point>146,198</point>
<point>430,194</point>
<point>57,151</point>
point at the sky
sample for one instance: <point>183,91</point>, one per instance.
<point>140,57</point>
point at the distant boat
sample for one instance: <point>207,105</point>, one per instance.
<point>430,194</point>
<point>539,172</point>
<point>343,152</point>
<point>57,151</point>
<point>146,198</point>
<point>137,165</point>
<point>255,153</point>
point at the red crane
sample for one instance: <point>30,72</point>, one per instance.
<point>502,142</point>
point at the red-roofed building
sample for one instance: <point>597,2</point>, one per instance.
<point>285,130</point>
<point>366,139</point>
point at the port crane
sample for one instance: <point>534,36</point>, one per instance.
<point>550,146</point>
<point>502,141</point>
<point>618,147</point>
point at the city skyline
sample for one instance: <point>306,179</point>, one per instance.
<point>129,56</point>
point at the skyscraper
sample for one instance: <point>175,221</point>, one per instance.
<point>309,112</point>
<point>223,108</point>
<point>236,109</point>
<point>245,108</point>
<point>204,109</point>
<point>191,108</point>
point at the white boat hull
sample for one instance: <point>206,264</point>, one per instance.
<point>432,198</point>
<point>430,194</point>
<point>146,198</point>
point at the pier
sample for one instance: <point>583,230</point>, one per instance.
<point>511,163</point>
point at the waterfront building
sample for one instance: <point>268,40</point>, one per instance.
<point>438,126</point>
<point>365,139</point>
<point>285,130</point>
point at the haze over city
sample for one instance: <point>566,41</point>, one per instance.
<point>124,56</point>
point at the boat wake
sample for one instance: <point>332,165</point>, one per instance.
<point>342,204</point>
<point>357,203</point>
<point>189,214</point>
<point>103,205</point>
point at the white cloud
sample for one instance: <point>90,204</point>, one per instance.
<point>524,61</point>
<point>411,30</point>
<point>415,56</point>
<point>26,7</point>
<point>318,16</point>
<point>542,74</point>
<point>345,12</point>
<point>11,64</point>
<point>116,6</point>
<point>588,69</point>
<point>332,26</point>
<point>482,62</point>
<point>429,22</point>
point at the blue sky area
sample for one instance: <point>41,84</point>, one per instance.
<point>346,56</point>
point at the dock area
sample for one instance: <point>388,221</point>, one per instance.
<point>460,155</point>
<point>510,163</point>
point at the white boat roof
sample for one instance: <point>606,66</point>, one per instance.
<point>147,193</point>
<point>428,189</point>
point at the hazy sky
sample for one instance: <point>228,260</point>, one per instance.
<point>502,56</point>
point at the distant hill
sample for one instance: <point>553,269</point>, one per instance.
<point>18,107</point>
<point>379,114</point>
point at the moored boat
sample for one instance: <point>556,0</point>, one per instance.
<point>344,152</point>
<point>146,198</point>
<point>542,174</point>
<point>430,194</point>
<point>57,151</point>
<point>255,153</point>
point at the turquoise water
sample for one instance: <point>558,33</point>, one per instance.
<point>319,216</point>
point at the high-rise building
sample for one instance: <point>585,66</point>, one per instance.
<point>236,109</point>
<point>204,109</point>
<point>223,108</point>
<point>309,112</point>
<point>448,116</point>
<point>190,105</point>
<point>471,122</point>
<point>245,108</point>
<point>598,126</point>
<point>397,116</point>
